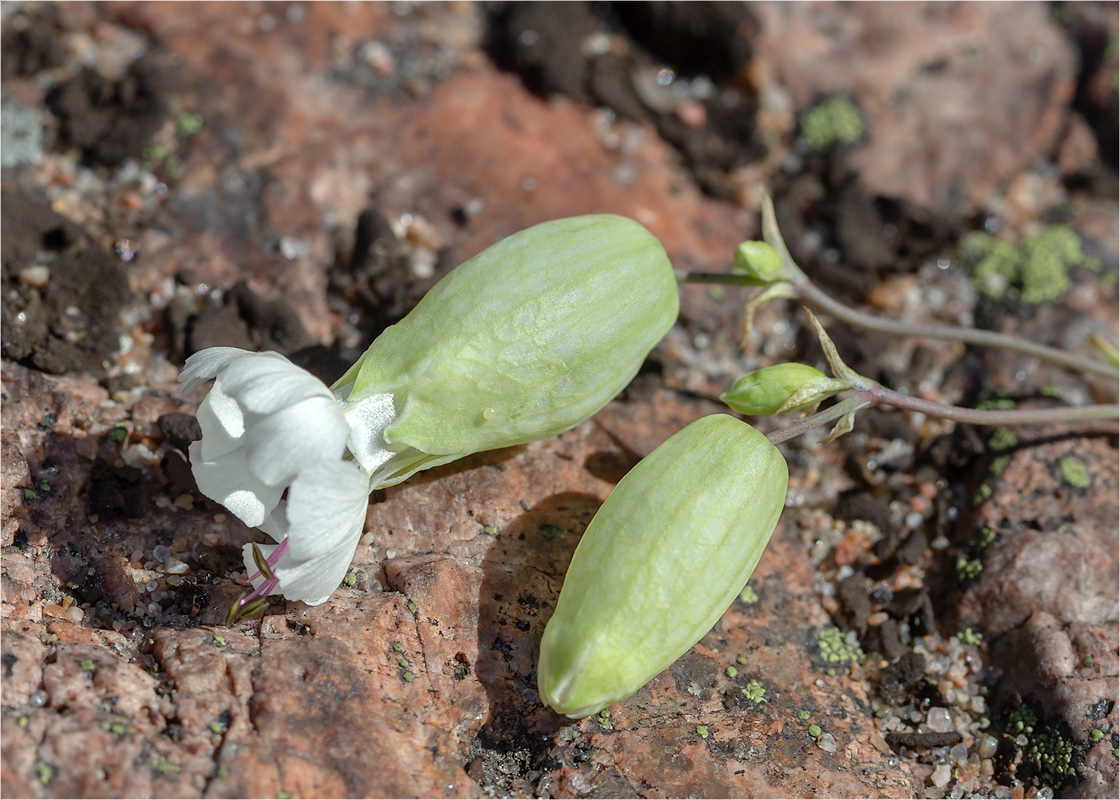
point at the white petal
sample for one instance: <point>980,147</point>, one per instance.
<point>207,364</point>
<point>228,481</point>
<point>221,422</point>
<point>267,382</point>
<point>326,504</point>
<point>323,519</point>
<point>283,444</point>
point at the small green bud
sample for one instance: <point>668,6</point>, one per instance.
<point>660,562</point>
<point>525,340</point>
<point>761,261</point>
<point>781,388</point>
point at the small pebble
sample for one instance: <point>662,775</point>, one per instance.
<point>827,742</point>
<point>38,698</point>
<point>175,566</point>
<point>36,276</point>
<point>939,720</point>
<point>987,745</point>
<point>941,776</point>
<point>75,614</point>
<point>959,752</point>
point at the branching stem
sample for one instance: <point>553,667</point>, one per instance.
<point>877,394</point>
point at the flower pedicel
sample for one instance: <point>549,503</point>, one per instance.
<point>521,342</point>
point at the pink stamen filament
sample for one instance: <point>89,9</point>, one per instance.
<point>268,586</point>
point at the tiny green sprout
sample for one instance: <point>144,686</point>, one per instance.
<point>1074,472</point>
<point>403,662</point>
<point>218,640</point>
<point>398,647</point>
<point>1096,735</point>
<point>1088,661</point>
<point>803,715</point>
<point>44,487</point>
<point>983,493</point>
<point>834,648</point>
<point>969,636</point>
<point>740,660</point>
<point>760,261</point>
<point>834,119</point>
<point>815,731</point>
<point>702,731</point>
<point>661,561</point>
<point>282,795</point>
<point>490,530</point>
<point>30,494</point>
<point>754,692</point>
<point>408,677</point>
<point>411,607</point>
<point>105,725</point>
<point>221,772</point>
<point>119,433</point>
<point>119,729</point>
<point>44,772</point>
<point>216,726</point>
<point>350,580</point>
<point>731,672</point>
<point>968,568</point>
<point>781,388</point>
<point>163,766</point>
<point>88,665</point>
<point>603,720</point>
<point>23,720</point>
<point>748,596</point>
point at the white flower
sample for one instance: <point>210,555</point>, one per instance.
<point>525,340</point>
<point>269,427</point>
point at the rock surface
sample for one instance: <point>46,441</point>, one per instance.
<point>302,174</point>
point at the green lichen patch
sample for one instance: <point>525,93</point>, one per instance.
<point>748,595</point>
<point>1053,752</point>
<point>968,568</point>
<point>980,541</point>
<point>1037,271</point>
<point>835,650</point>
<point>603,719</point>
<point>44,772</point>
<point>834,120</point>
<point>1021,720</point>
<point>1003,439</point>
<point>754,692</point>
<point>703,731</point>
<point>1074,472</point>
<point>969,636</point>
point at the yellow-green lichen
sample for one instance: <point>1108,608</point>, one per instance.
<point>1074,472</point>
<point>754,692</point>
<point>834,120</point>
<point>748,595</point>
<point>968,568</point>
<point>835,649</point>
<point>1037,271</point>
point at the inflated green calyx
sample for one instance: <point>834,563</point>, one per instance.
<point>661,561</point>
<point>781,388</point>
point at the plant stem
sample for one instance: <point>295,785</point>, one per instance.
<point>808,292</point>
<point>845,406</point>
<point>881,395</point>
<point>973,416</point>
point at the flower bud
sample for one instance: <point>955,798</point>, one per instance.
<point>761,261</point>
<point>780,388</point>
<point>523,341</point>
<point>661,561</point>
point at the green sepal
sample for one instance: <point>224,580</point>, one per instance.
<point>661,561</point>
<point>521,342</point>
<point>781,388</point>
